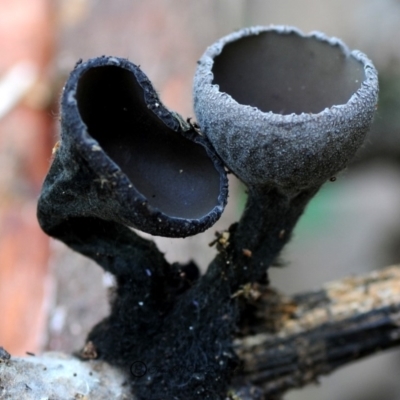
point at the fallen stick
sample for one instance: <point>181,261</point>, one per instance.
<point>295,340</point>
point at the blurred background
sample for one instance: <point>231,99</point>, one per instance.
<point>51,297</point>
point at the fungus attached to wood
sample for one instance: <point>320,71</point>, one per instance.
<point>284,111</point>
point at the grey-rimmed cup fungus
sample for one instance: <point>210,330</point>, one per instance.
<point>282,108</point>
<point>124,157</point>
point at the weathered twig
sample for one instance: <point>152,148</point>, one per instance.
<point>60,377</point>
<point>299,338</point>
<point>294,340</point>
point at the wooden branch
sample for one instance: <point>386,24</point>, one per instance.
<point>299,338</point>
<point>294,341</point>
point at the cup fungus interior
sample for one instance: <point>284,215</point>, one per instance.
<point>286,73</point>
<point>175,174</point>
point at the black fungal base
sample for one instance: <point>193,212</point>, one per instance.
<point>170,329</point>
<point>175,345</point>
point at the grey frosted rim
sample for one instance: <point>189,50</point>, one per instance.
<point>241,134</point>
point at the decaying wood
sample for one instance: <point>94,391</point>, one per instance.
<point>56,376</point>
<point>299,338</point>
<point>293,341</point>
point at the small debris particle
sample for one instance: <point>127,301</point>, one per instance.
<point>333,179</point>
<point>233,396</point>
<point>74,373</point>
<point>247,252</point>
<point>102,180</point>
<point>56,147</point>
<point>225,235</point>
<point>30,354</point>
<point>4,355</point>
<point>96,147</point>
<point>89,352</point>
<point>211,244</point>
<point>180,171</point>
<point>282,234</point>
<point>148,272</point>
<point>222,239</point>
<point>194,125</point>
<point>80,396</point>
<point>248,291</point>
<point>141,303</point>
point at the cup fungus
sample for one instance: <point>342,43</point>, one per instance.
<point>124,157</point>
<point>284,111</point>
<point>282,108</point>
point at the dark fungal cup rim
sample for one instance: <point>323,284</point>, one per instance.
<point>157,222</point>
<point>205,72</point>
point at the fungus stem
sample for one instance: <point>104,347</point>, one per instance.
<point>265,227</point>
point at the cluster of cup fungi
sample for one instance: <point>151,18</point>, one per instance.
<point>283,111</point>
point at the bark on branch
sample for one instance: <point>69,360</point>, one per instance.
<point>288,343</point>
<point>299,338</point>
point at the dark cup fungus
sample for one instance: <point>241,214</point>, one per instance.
<point>285,112</point>
<point>282,108</point>
<point>124,157</point>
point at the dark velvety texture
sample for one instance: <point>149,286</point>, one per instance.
<point>163,315</point>
<point>170,329</point>
<point>175,175</point>
<point>124,157</point>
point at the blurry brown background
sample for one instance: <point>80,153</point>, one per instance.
<point>49,296</point>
